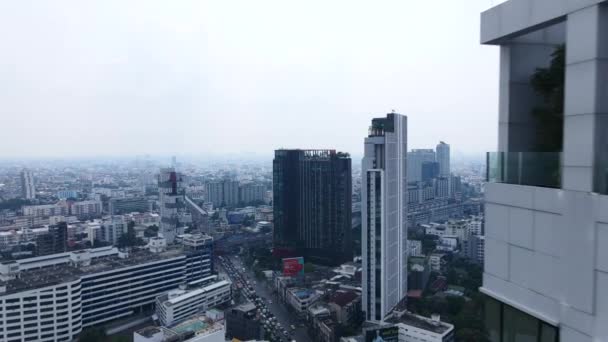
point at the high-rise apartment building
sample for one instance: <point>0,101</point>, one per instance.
<point>223,193</point>
<point>55,241</point>
<point>312,204</point>
<point>173,210</point>
<point>546,231</point>
<point>384,216</point>
<point>443,158</point>
<point>28,188</point>
<point>415,161</point>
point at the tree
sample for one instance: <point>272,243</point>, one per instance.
<point>14,204</point>
<point>93,334</point>
<point>429,243</point>
<point>308,267</point>
<point>151,231</point>
<point>549,84</point>
<point>129,239</point>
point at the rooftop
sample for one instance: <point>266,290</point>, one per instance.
<point>421,322</point>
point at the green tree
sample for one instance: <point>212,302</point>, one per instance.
<point>308,267</point>
<point>14,204</point>
<point>549,84</point>
<point>93,334</point>
<point>129,239</point>
<point>151,231</point>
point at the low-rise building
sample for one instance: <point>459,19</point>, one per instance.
<point>242,323</point>
<point>179,304</point>
<point>195,329</point>
<point>415,328</point>
<point>299,299</point>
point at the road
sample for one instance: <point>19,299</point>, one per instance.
<point>283,316</point>
<point>262,297</point>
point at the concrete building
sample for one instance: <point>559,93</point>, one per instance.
<point>223,193</point>
<point>46,210</point>
<point>28,187</point>
<point>172,193</point>
<point>546,238</point>
<point>443,158</point>
<point>414,248</point>
<point>65,194</point>
<point>180,304</point>
<point>243,323</point>
<point>127,205</point>
<point>85,209</point>
<point>54,241</point>
<point>415,328</point>
<point>416,159</point>
<point>384,216</point>
<point>201,328</point>
<point>300,299</point>
<point>111,284</point>
<point>250,192</point>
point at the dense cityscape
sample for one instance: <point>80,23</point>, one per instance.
<point>390,242</point>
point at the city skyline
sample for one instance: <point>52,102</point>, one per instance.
<point>240,85</point>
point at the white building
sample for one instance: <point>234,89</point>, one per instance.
<point>28,187</point>
<point>435,260</point>
<point>300,299</point>
<point>179,304</point>
<point>443,158</point>
<point>546,234</point>
<point>384,216</point>
<point>45,210</point>
<point>85,208</point>
<point>111,284</point>
<point>415,328</point>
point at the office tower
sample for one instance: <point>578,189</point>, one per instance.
<point>312,204</point>
<point>28,188</point>
<point>172,203</point>
<point>443,158</point>
<point>430,170</point>
<point>384,216</point>
<point>55,241</point>
<point>546,237</point>
<point>223,193</point>
<point>415,160</point>
<point>251,193</point>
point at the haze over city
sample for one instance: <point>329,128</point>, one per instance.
<point>116,78</point>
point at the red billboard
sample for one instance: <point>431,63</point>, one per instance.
<point>293,266</point>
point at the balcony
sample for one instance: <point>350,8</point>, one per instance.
<point>541,169</point>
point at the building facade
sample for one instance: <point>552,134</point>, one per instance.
<point>223,193</point>
<point>127,205</point>
<point>416,160</point>
<point>172,204</point>
<point>546,229</point>
<point>312,204</point>
<point>243,324</point>
<point>443,158</point>
<point>384,216</point>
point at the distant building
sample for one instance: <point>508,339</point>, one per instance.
<point>251,193</point>
<point>243,324</point>
<point>172,204</point>
<point>65,194</point>
<point>416,159</point>
<point>414,248</point>
<point>55,241</point>
<point>346,305</point>
<point>443,158</point>
<point>418,273</point>
<point>430,170</point>
<point>384,216</point>
<point>312,204</point>
<point>85,209</point>
<point>223,193</point>
<point>126,205</point>
<point>28,187</point>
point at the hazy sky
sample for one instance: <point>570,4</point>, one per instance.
<point>86,78</point>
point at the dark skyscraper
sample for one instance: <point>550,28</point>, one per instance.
<point>55,241</point>
<point>312,204</point>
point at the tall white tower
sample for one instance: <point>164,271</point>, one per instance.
<point>443,157</point>
<point>384,216</point>
<point>28,189</point>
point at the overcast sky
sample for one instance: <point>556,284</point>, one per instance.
<point>121,78</point>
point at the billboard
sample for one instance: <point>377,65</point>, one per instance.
<point>383,334</point>
<point>293,266</point>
